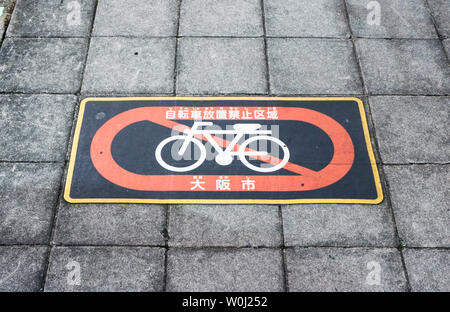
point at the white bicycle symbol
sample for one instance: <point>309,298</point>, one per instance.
<point>225,156</point>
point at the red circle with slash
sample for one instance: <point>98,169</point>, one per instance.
<point>304,179</point>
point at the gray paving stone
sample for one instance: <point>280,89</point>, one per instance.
<point>304,18</point>
<point>421,202</point>
<point>106,269</point>
<point>52,18</point>
<point>313,66</point>
<point>28,194</point>
<point>221,18</point>
<point>441,13</point>
<point>398,19</point>
<point>224,270</point>
<point>338,225</point>
<point>412,129</point>
<point>428,269</point>
<point>35,127</point>
<point>347,269</point>
<point>139,18</point>
<point>22,268</point>
<point>221,66</point>
<point>447,46</point>
<point>404,66</point>
<point>224,225</point>
<point>42,65</point>
<point>110,224</point>
<point>130,65</point>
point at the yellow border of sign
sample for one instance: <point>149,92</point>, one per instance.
<point>378,200</point>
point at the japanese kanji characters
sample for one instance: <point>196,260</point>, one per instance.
<point>222,113</point>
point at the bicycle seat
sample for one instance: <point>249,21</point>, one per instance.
<point>246,127</point>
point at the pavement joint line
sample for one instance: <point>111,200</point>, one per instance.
<point>416,164</point>
<point>88,94</point>
<point>58,201</point>
<point>283,253</point>
<point>223,37</point>
<point>37,93</point>
<point>383,178</point>
<point>224,247</point>
<point>31,161</point>
<point>433,20</point>
<point>72,130</point>
<point>166,246</point>
<point>107,246</point>
<point>355,50</point>
<point>397,234</point>
<point>66,165</point>
<point>266,54</point>
<point>50,238</point>
<point>175,66</point>
<point>84,94</point>
<point>83,71</point>
<point>167,207</point>
<point>409,95</point>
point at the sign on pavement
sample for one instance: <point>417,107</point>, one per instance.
<point>222,150</point>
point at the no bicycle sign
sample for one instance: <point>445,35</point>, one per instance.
<point>222,150</point>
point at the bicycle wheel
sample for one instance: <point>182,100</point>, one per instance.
<point>278,166</point>
<point>183,138</point>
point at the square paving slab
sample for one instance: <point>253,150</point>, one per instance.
<point>52,18</point>
<point>391,19</point>
<point>42,65</point>
<point>136,18</point>
<point>221,18</point>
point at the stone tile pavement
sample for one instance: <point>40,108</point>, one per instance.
<point>56,52</point>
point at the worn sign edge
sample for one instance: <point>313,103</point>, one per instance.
<point>362,112</point>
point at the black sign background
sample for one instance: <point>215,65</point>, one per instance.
<point>134,150</point>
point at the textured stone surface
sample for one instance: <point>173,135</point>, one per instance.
<point>221,18</point>
<point>338,225</point>
<point>139,18</point>
<point>447,46</point>
<point>349,269</point>
<point>407,67</point>
<point>42,65</point>
<point>412,129</point>
<point>28,194</point>
<point>35,127</point>
<point>224,270</point>
<point>421,202</point>
<point>221,66</point>
<point>428,269</point>
<point>107,269</point>
<point>130,65</point>
<point>313,66</point>
<point>304,18</point>
<point>110,224</point>
<point>398,19</point>
<point>52,18</point>
<point>224,225</point>
<point>21,268</point>
<point>441,12</point>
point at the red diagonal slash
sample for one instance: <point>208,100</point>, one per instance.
<point>305,179</point>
